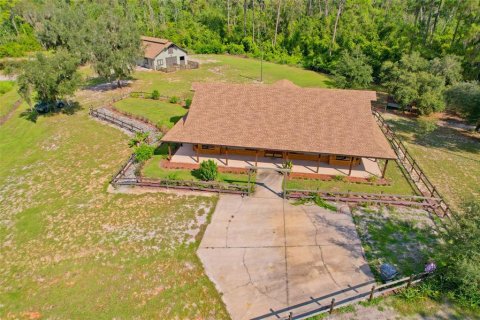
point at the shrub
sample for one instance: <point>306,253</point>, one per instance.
<point>134,95</point>
<point>372,178</point>
<point>458,257</point>
<point>208,170</point>
<point>338,177</point>
<point>287,165</point>
<point>155,95</point>
<point>138,138</point>
<point>188,102</point>
<point>233,48</point>
<point>426,126</point>
<point>143,152</point>
<point>174,99</point>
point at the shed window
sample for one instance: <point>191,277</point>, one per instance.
<point>160,62</point>
<point>170,50</point>
<point>207,147</point>
<point>342,158</point>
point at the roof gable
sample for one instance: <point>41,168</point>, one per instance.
<point>154,46</point>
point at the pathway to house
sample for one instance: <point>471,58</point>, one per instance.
<point>264,253</point>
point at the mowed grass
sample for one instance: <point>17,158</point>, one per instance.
<point>159,112</point>
<point>71,250</point>
<point>8,97</point>
<point>399,184</point>
<point>224,68</point>
<point>449,157</point>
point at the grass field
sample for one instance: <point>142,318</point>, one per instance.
<point>399,184</point>
<point>219,68</point>
<point>8,97</point>
<point>161,113</point>
<point>450,158</point>
<point>72,250</point>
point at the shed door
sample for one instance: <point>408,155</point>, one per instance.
<point>171,61</point>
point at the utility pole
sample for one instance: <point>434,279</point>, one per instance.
<point>261,65</point>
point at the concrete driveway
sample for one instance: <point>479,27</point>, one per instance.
<point>264,253</point>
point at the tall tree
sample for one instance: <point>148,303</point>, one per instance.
<point>464,99</point>
<point>49,78</point>
<point>116,44</point>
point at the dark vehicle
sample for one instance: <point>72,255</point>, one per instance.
<point>44,107</point>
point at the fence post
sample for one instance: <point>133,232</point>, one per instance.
<point>371,293</point>
<point>332,304</point>
<point>290,315</point>
<point>410,281</point>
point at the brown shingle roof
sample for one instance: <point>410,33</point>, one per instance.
<point>154,46</point>
<point>283,117</point>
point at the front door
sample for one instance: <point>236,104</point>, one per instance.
<point>171,61</point>
<point>182,61</point>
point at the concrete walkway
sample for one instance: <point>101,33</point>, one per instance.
<point>264,253</point>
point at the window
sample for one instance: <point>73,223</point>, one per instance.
<point>160,62</point>
<point>182,58</point>
<point>207,147</point>
<point>342,158</point>
<point>170,50</point>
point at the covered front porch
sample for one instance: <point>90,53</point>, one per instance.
<point>364,169</point>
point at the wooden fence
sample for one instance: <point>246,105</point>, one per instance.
<point>183,184</point>
<point>116,121</point>
<point>411,167</point>
<point>120,179</point>
<point>360,197</point>
<point>367,293</point>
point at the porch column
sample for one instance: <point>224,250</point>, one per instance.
<point>226,156</point>
<point>350,168</point>
<point>384,168</point>
<point>169,152</point>
<point>286,156</point>
<point>198,156</point>
<point>256,158</point>
<point>318,162</point>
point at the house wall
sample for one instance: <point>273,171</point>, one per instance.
<point>330,159</point>
<point>160,61</point>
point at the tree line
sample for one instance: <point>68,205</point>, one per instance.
<point>360,42</point>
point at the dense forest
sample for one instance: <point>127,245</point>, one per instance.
<point>309,32</point>
<point>416,49</point>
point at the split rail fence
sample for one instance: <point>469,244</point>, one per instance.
<point>114,120</point>
<point>411,167</point>
<point>121,178</point>
<point>323,304</point>
<point>360,197</point>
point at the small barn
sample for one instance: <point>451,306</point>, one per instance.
<point>164,55</point>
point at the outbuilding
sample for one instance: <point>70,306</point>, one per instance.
<point>164,55</point>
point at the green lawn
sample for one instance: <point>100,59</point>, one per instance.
<point>450,158</point>
<point>71,250</point>
<point>152,169</point>
<point>8,97</point>
<point>224,68</point>
<point>159,112</point>
<point>399,184</point>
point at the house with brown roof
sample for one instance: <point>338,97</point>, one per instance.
<point>160,54</point>
<point>327,131</point>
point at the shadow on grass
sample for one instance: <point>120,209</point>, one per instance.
<point>441,137</point>
<point>175,119</point>
<point>32,115</point>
